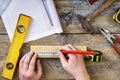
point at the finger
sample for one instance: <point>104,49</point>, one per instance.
<point>80,56</point>
<point>72,56</point>
<point>32,63</point>
<point>27,60</point>
<point>65,47</point>
<point>62,58</point>
<point>21,64</point>
<point>71,46</point>
<point>22,61</point>
<point>39,68</point>
<point>68,47</point>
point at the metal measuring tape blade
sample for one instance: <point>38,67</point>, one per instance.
<point>14,50</point>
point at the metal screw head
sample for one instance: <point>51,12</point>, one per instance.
<point>21,29</point>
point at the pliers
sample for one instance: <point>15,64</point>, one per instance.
<point>113,39</point>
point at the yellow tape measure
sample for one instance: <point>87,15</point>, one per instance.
<point>17,41</point>
<point>116,15</point>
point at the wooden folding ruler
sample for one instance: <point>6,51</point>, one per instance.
<point>14,50</point>
<point>51,51</point>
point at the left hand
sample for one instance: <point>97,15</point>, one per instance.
<point>29,68</point>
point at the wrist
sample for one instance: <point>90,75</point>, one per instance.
<point>82,77</point>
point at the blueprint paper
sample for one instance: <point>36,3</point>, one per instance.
<point>44,21</point>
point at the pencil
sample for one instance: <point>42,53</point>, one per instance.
<point>77,52</point>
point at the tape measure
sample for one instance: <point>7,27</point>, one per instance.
<point>14,50</point>
<point>116,15</point>
<point>96,57</point>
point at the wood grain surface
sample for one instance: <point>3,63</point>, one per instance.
<point>74,34</point>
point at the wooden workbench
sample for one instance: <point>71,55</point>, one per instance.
<point>108,69</point>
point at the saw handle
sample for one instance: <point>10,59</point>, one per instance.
<point>100,9</point>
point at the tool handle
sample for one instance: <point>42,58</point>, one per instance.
<point>117,39</point>
<point>116,48</point>
<point>77,52</point>
<point>100,9</point>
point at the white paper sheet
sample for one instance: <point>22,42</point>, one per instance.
<point>44,18</point>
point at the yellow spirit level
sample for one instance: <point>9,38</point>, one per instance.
<point>14,50</point>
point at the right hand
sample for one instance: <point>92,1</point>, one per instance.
<point>75,64</point>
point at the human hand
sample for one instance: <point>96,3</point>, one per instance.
<point>74,64</point>
<point>29,67</point>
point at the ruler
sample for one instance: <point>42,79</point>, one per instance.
<point>14,50</point>
<point>51,51</point>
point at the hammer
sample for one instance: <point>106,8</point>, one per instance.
<point>85,23</point>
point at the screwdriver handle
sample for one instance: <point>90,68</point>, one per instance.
<point>100,9</point>
<point>116,48</point>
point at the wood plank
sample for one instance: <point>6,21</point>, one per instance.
<point>2,28</point>
<point>105,21</point>
<point>84,9</point>
<point>108,69</point>
<point>105,70</point>
<point>95,42</point>
<point>4,45</point>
